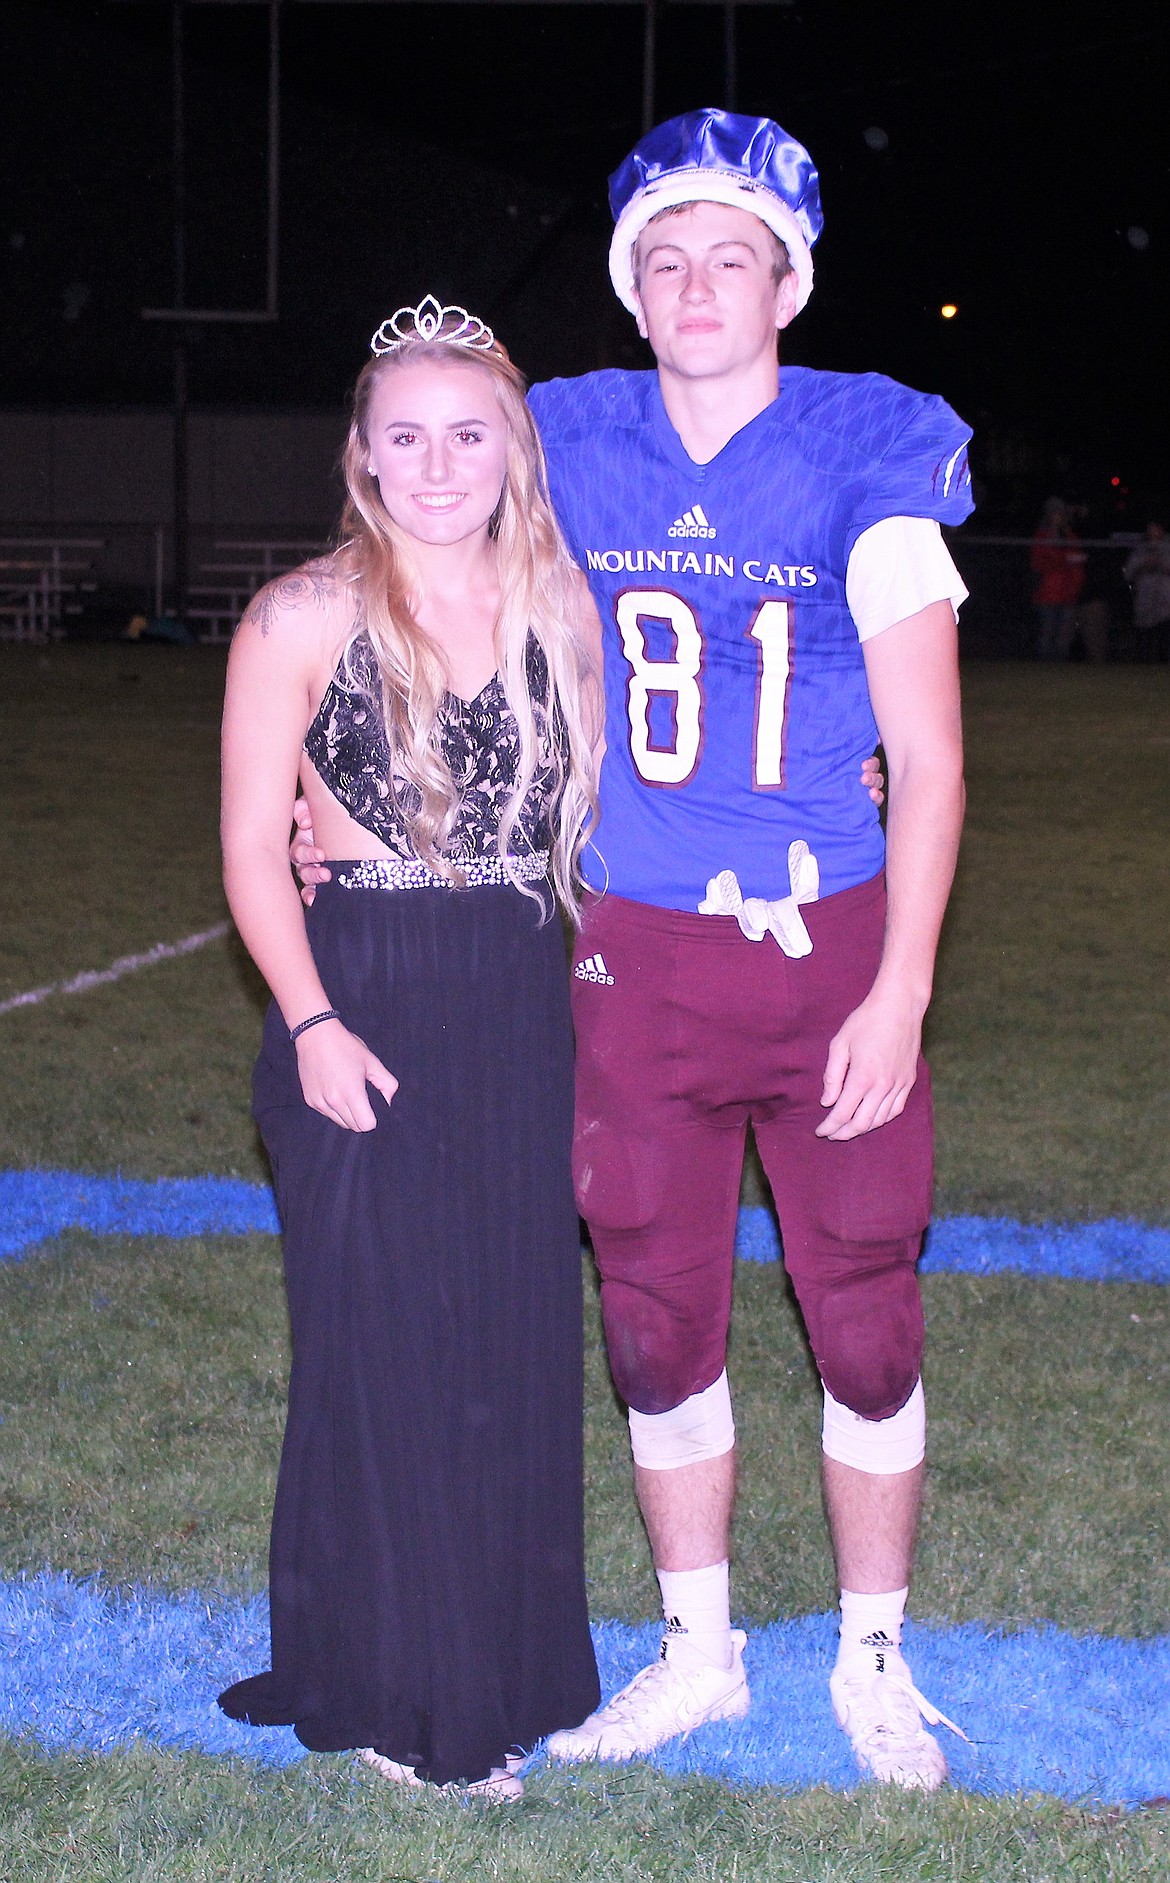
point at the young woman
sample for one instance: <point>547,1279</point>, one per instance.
<point>432,684</point>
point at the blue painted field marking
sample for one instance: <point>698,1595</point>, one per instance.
<point>82,1668</point>
<point>1115,1249</point>
<point>37,1204</point>
<point>1081,1717</point>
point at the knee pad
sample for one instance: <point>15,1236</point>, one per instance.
<point>702,1427</point>
<point>879,1446</point>
<point>867,1333</point>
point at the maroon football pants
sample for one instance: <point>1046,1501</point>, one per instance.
<point>685,1031</point>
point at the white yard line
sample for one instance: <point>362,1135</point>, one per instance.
<point>126,964</point>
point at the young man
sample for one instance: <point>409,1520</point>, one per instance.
<point>764,550</point>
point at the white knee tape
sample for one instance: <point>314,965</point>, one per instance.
<point>880,1446</point>
<point>702,1427</point>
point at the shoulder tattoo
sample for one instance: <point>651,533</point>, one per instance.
<point>314,582</point>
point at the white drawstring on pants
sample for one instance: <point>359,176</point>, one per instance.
<point>780,917</point>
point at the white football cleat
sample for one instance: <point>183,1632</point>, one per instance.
<point>672,1696</point>
<point>876,1702</point>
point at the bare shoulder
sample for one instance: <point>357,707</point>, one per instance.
<point>313,602</point>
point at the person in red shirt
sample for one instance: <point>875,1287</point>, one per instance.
<point>1058,563</point>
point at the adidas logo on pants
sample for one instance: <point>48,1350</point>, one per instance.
<point>593,968</point>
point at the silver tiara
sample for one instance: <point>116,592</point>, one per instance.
<point>425,322</point>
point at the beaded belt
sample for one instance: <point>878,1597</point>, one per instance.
<point>477,872</point>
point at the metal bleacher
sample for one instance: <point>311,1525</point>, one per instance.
<point>42,579</point>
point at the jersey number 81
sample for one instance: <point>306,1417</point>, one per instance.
<point>674,761</point>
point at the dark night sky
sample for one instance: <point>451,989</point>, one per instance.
<point>1023,175</point>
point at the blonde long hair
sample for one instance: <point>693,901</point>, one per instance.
<point>538,586</point>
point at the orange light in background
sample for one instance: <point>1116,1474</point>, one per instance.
<point>948,310</point>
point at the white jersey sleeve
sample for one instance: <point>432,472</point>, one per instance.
<point>897,567</point>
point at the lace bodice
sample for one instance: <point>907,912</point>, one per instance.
<point>480,740</point>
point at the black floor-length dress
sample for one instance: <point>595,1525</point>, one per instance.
<point>426,1569</point>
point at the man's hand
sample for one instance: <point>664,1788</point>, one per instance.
<point>872,780</point>
<point>871,1067</point>
<point>335,1068</point>
<point>308,861</point>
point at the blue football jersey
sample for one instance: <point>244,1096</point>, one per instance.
<point>737,709</point>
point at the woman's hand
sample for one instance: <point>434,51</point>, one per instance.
<point>335,1068</point>
<point>307,860</point>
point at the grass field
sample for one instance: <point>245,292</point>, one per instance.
<point>141,1380</point>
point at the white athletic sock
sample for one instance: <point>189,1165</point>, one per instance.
<point>697,1607</point>
<point>871,1621</point>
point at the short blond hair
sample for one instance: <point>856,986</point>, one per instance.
<point>781,262</point>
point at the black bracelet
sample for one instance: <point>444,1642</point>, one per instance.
<point>330,1013</point>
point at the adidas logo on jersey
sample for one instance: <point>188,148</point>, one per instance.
<point>593,968</point>
<point>692,523</point>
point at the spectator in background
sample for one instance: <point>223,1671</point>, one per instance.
<point>1058,563</point>
<point>1147,570</point>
